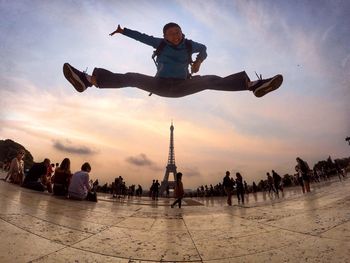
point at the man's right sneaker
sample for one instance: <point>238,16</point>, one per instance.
<point>263,86</point>
<point>76,78</point>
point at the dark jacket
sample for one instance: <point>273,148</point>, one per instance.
<point>35,173</point>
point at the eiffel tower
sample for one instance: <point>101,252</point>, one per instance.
<point>171,167</point>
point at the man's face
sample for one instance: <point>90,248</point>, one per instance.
<point>173,35</point>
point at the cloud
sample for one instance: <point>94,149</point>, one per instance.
<point>139,160</point>
<point>70,148</point>
<point>191,172</point>
<point>142,160</point>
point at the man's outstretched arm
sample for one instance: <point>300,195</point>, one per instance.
<point>144,38</point>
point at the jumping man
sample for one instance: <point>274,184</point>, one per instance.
<point>173,79</point>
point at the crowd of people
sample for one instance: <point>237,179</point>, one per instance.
<point>60,181</point>
<point>273,184</point>
<point>56,179</point>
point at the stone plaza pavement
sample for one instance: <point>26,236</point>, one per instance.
<point>37,227</point>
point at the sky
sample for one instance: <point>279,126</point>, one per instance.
<point>125,132</point>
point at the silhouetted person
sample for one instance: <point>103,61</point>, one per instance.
<point>246,188</point>
<point>255,188</point>
<point>240,188</point>
<point>35,173</point>
<point>156,190</point>
<point>304,170</point>
<point>277,181</point>
<point>270,183</point>
<point>178,191</point>
<point>139,190</point>
<point>228,187</point>
<point>167,191</point>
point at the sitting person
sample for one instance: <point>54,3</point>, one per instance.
<point>61,178</point>
<point>33,180</point>
<point>46,179</point>
<point>79,187</point>
<point>16,171</point>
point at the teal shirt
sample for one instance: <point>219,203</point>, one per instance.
<point>173,60</point>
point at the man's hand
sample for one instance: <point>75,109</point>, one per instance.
<point>118,30</point>
<point>195,66</point>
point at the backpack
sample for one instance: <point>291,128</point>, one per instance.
<point>162,44</point>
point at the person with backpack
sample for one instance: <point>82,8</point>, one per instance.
<point>173,56</point>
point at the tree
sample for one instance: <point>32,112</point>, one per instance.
<point>9,149</point>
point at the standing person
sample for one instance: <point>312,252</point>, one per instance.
<point>151,189</point>
<point>240,188</point>
<point>228,187</point>
<point>178,191</point>
<point>277,181</point>
<point>246,190</point>
<point>254,187</point>
<point>270,183</point>
<point>156,190</point>
<point>173,79</point>
<point>299,178</point>
<point>61,178</point>
<point>79,187</point>
<point>33,180</point>
<point>139,191</point>
<point>304,169</point>
<point>167,191</point>
<point>340,171</point>
<point>16,172</point>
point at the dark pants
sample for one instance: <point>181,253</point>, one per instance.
<point>228,191</point>
<point>177,201</point>
<point>60,189</point>
<point>168,87</point>
<point>37,186</point>
<point>240,194</point>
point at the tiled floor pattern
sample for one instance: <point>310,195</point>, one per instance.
<point>37,227</point>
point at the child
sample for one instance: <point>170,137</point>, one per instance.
<point>178,191</point>
<point>172,78</point>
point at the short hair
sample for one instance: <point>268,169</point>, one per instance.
<point>86,167</point>
<point>178,176</point>
<point>169,25</point>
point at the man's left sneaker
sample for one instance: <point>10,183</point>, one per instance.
<point>263,86</point>
<point>76,78</point>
